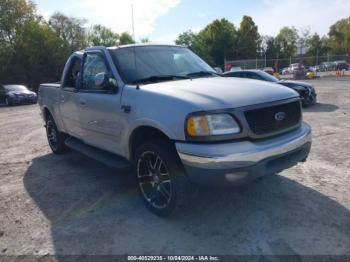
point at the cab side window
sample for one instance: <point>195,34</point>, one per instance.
<point>71,80</point>
<point>94,64</point>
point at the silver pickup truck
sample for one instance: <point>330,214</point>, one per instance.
<point>164,112</point>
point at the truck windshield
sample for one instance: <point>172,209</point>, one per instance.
<point>143,64</point>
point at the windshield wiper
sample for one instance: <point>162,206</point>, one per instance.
<point>202,73</point>
<point>159,78</point>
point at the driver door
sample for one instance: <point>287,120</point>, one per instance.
<point>98,106</point>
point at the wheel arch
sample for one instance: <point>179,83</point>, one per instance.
<point>46,113</point>
<point>144,133</point>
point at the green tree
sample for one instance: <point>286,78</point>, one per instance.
<point>13,15</point>
<point>30,51</point>
<point>195,43</point>
<point>40,55</point>
<point>144,40</point>
<point>317,45</point>
<point>102,36</point>
<point>248,39</point>
<point>70,29</point>
<point>125,39</point>
<point>269,47</point>
<point>187,39</point>
<point>339,37</point>
<point>287,41</point>
<point>218,41</point>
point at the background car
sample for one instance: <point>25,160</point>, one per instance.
<point>237,68</point>
<point>329,66</point>
<point>311,69</point>
<point>294,68</point>
<point>269,70</point>
<point>321,68</point>
<point>341,65</point>
<point>306,91</point>
<point>285,71</point>
<point>16,95</point>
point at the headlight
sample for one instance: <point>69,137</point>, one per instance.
<point>212,125</point>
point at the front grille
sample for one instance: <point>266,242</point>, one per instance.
<point>267,120</point>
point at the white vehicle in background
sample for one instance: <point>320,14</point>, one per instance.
<point>286,71</point>
<point>237,68</point>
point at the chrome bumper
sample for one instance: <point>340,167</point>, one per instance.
<point>240,157</point>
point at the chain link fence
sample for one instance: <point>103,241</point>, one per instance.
<point>279,64</point>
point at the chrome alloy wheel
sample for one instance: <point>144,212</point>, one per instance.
<point>154,180</point>
<point>52,135</point>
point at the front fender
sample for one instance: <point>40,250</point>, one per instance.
<point>151,123</point>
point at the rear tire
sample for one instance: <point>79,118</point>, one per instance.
<point>55,138</point>
<point>7,102</point>
<point>161,178</point>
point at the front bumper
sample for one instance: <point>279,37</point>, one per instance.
<point>243,161</point>
<point>22,100</point>
<point>309,99</point>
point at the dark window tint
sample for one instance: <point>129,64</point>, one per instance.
<point>94,64</point>
<point>73,73</point>
<point>235,74</point>
<point>252,75</point>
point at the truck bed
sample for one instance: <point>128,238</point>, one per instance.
<point>48,95</point>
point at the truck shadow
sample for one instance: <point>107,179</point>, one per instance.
<point>94,210</point>
<point>321,108</point>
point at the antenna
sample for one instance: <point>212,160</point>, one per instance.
<point>133,34</point>
<point>133,22</point>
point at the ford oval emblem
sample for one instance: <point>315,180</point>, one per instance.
<point>280,116</point>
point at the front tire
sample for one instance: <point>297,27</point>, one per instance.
<point>161,178</point>
<point>55,138</point>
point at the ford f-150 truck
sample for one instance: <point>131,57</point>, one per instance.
<point>163,111</point>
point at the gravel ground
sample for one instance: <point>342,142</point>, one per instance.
<point>73,205</point>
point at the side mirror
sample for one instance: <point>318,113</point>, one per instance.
<point>101,80</point>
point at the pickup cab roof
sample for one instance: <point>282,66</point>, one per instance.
<point>128,46</point>
<point>93,48</point>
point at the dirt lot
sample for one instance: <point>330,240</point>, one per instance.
<point>73,205</point>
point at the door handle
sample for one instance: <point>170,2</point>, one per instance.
<point>126,108</point>
<point>82,102</point>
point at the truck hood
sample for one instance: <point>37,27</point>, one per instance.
<point>221,92</point>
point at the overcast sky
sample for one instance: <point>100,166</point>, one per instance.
<point>164,20</point>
